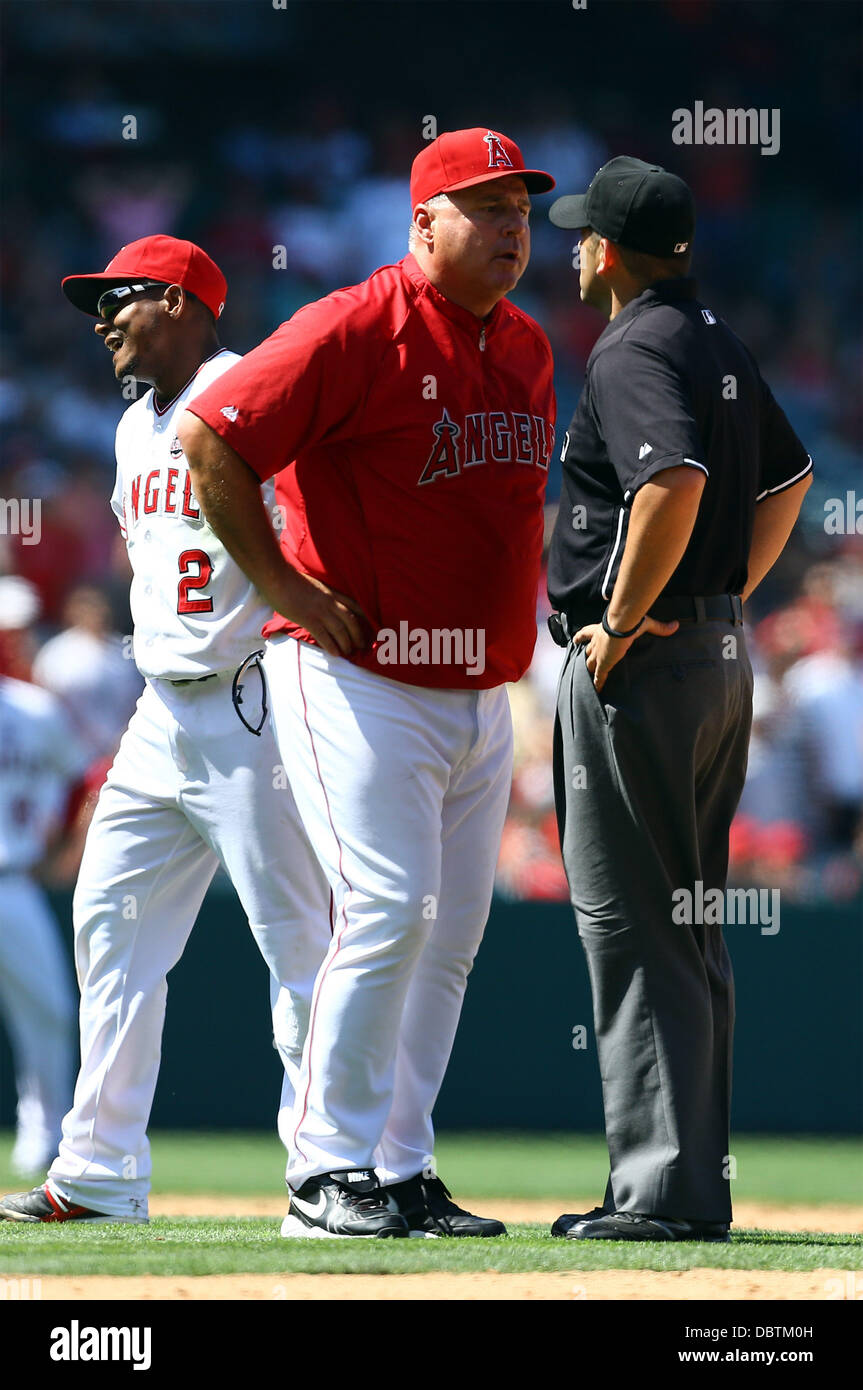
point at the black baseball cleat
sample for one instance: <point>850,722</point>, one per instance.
<point>563,1223</point>
<point>44,1204</point>
<point>347,1203</point>
<point>631,1225</point>
<point>427,1207</point>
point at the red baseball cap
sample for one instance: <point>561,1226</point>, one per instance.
<point>162,258</point>
<point>461,158</point>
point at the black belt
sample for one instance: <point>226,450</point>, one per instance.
<point>684,608</point>
<point>196,680</point>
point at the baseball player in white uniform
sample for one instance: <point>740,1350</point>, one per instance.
<point>86,667</point>
<point>189,787</point>
<point>41,767</point>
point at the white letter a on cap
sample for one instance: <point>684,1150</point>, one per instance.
<point>497,155</point>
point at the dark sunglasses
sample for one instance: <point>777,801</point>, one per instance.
<point>259,700</point>
<point>112,300</point>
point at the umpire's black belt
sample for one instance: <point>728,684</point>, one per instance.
<point>682,607</point>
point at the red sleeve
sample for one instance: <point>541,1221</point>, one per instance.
<point>303,386</point>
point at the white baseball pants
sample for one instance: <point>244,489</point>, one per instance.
<point>190,787</point>
<point>403,792</point>
<point>38,1006</point>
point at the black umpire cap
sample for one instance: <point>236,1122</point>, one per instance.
<point>638,205</point>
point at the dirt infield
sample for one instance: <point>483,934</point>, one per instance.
<point>609,1285</point>
<point>577,1285</point>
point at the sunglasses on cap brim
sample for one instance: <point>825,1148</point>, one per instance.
<point>112,300</point>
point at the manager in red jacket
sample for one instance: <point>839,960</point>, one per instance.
<point>409,424</point>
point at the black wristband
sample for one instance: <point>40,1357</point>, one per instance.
<point>612,631</point>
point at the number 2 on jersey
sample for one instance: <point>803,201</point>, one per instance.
<point>194,581</point>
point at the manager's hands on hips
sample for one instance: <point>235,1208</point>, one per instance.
<point>660,525</point>
<point>338,625</point>
<point>228,492</point>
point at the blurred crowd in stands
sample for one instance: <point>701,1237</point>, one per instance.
<point>296,204</point>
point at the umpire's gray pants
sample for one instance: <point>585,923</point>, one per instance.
<point>648,774</point>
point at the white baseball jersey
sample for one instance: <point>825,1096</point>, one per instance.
<point>96,682</point>
<point>194,611</point>
<point>40,758</point>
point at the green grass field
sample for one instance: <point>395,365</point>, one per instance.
<point>569,1170</point>
<point>193,1247</point>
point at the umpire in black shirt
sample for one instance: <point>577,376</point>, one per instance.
<point>682,480</point>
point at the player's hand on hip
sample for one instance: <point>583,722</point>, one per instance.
<point>604,652</point>
<point>336,622</point>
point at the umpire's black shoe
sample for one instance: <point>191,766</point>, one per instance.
<point>563,1223</point>
<point>348,1203</point>
<point>631,1225</point>
<point>427,1207</point>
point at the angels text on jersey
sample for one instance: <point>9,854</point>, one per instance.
<point>495,436</point>
<point>193,609</point>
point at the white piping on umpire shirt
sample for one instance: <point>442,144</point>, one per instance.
<point>626,496</point>
<point>797,476</point>
<point>613,554</point>
<point>694,463</point>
